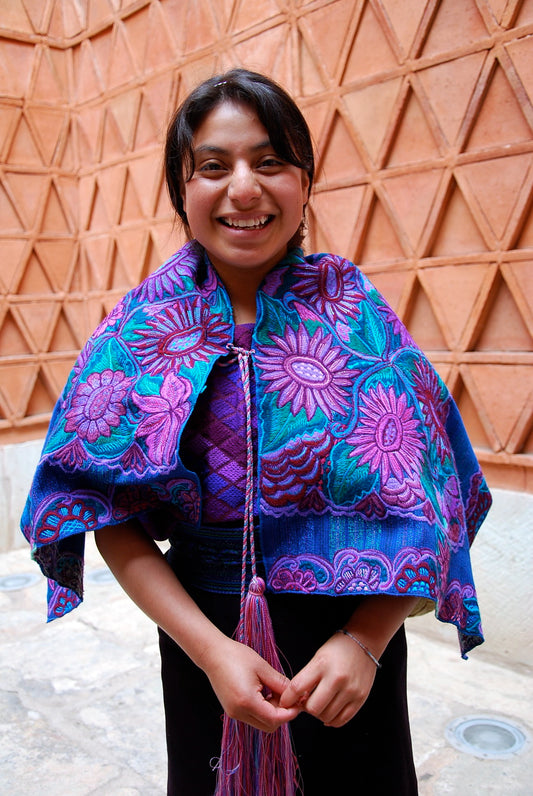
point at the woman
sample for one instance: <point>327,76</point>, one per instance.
<point>244,387</point>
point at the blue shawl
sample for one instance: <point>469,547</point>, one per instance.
<point>367,481</point>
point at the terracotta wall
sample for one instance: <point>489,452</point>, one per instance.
<point>422,114</point>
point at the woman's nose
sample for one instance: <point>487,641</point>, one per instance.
<point>244,188</point>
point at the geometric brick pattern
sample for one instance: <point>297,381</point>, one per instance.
<point>422,114</point>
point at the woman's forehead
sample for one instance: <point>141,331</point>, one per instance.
<point>228,124</point>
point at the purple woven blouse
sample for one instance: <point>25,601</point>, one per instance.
<point>214,439</point>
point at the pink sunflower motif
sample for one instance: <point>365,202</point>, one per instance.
<point>307,372</point>
<point>387,438</point>
<point>181,335</point>
<point>330,289</point>
<point>98,404</point>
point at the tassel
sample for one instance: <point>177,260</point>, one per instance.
<point>252,762</point>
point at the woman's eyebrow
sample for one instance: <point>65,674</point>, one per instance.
<point>217,150</point>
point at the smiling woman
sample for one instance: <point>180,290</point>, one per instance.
<point>269,415</point>
<point>243,202</point>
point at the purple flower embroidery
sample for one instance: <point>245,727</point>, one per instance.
<point>165,414</point>
<point>405,494</point>
<point>386,438</point>
<point>71,456</point>
<point>478,505</point>
<point>307,372</point>
<point>97,405</point>
<point>115,315</point>
<point>453,511</point>
<point>358,576</point>
<point>397,326</point>
<point>292,579</point>
<point>181,335</point>
<point>330,289</point>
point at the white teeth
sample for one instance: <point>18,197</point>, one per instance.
<point>245,223</point>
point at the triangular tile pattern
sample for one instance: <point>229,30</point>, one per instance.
<point>422,114</point>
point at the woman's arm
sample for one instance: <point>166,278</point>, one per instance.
<point>335,683</point>
<point>237,674</point>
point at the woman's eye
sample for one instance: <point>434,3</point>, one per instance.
<point>271,163</point>
<point>210,167</point>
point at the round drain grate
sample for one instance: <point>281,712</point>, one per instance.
<point>19,581</point>
<point>100,576</point>
<point>484,736</point>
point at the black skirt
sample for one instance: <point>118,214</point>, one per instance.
<point>370,754</point>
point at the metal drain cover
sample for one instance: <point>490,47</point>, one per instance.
<point>18,581</point>
<point>485,736</point>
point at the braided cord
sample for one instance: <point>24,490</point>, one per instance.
<point>248,537</point>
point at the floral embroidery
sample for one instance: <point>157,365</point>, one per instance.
<point>406,494</point>
<point>397,326</point>
<point>60,600</point>
<point>165,281</point>
<point>165,414</point>
<point>372,507</point>
<point>357,572</point>
<point>355,575</point>
<point>308,372</point>
<point>453,511</point>
<point>69,517</point>
<point>292,579</point>
<point>417,577</point>
<point>365,485</point>
<point>453,609</point>
<point>428,389</point>
<point>479,501</point>
<point>292,475</point>
<point>97,404</point>
<point>115,315</point>
<point>387,438</point>
<point>71,456</point>
<point>182,334</point>
<point>330,288</point>
<point>134,460</point>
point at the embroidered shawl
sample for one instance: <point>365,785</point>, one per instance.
<point>367,481</point>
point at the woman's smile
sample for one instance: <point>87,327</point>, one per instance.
<point>256,222</point>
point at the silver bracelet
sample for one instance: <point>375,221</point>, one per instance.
<point>360,643</point>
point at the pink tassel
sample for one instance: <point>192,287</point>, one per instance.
<point>252,762</point>
<point>255,763</point>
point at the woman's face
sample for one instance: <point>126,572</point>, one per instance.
<point>243,202</point>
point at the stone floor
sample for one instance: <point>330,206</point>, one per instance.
<point>81,704</point>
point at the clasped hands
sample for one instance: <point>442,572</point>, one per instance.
<point>333,686</point>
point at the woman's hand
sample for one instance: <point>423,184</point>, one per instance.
<point>335,683</point>
<point>247,687</point>
<point>337,680</point>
